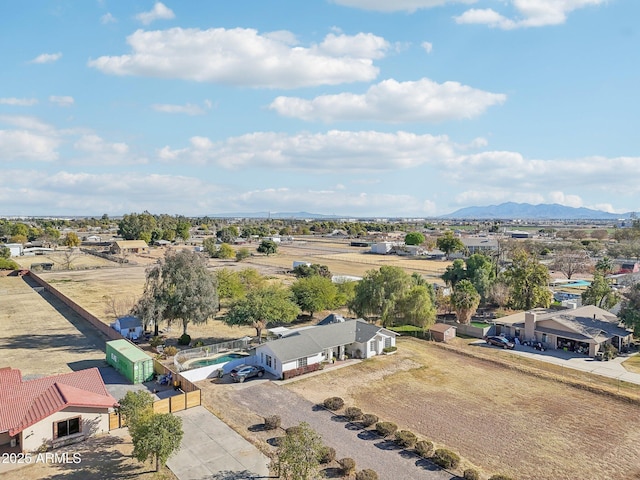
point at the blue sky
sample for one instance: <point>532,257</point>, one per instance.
<point>410,108</point>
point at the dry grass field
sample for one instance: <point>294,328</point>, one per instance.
<point>496,418</point>
<point>79,260</point>
<point>39,337</point>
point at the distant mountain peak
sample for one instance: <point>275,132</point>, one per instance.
<point>544,211</point>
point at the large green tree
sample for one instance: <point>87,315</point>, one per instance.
<point>182,230</point>
<point>262,306</point>
<point>377,292</point>
<point>414,238</point>
<point>315,293</point>
<point>135,406</point>
<point>600,292</point>
<point>478,269</point>
<point>415,307</point>
<point>157,436</point>
<point>72,240</point>
<point>528,282</point>
<point>630,309</point>
<point>181,287</point>
<point>133,225</point>
<point>449,243</point>
<point>267,246</point>
<point>465,300</point>
<point>298,455</point>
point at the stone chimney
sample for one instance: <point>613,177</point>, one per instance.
<point>529,325</point>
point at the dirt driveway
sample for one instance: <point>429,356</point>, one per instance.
<point>365,447</point>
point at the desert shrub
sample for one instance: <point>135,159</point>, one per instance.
<point>367,474</point>
<point>327,455</point>
<point>500,477</point>
<point>424,448</point>
<point>156,341</point>
<point>295,430</point>
<point>199,343</point>
<point>333,403</point>
<point>406,439</point>
<point>446,458</point>
<point>471,474</point>
<point>369,419</point>
<point>353,413</point>
<point>185,339</point>
<point>386,428</point>
<point>8,264</point>
<point>272,422</point>
<point>348,465</point>
<point>170,351</point>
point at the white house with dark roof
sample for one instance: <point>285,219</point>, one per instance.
<point>314,345</point>
<point>129,327</point>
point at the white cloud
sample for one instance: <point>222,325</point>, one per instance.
<point>16,145</point>
<point>47,58</point>
<point>188,109</point>
<point>565,199</point>
<point>62,101</point>
<point>159,12</point>
<point>428,46</point>
<point>94,149</point>
<point>19,102</point>
<point>245,57</point>
<point>393,102</point>
<point>530,13</point>
<point>592,175</point>
<point>26,122</point>
<point>397,5</point>
<point>108,18</point>
<point>363,151</point>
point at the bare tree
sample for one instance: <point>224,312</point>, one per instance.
<point>570,262</point>
<point>68,257</point>
<point>119,306</point>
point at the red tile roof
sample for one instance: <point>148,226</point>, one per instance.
<point>23,404</point>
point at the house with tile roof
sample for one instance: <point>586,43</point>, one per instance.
<point>308,346</point>
<point>584,330</point>
<point>56,410</point>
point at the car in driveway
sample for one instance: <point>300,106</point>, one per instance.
<point>242,372</point>
<point>500,342</point>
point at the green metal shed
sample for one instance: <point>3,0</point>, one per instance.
<point>130,361</point>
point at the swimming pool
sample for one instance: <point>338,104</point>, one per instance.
<point>205,362</point>
<point>579,283</point>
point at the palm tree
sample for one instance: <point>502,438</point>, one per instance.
<point>465,300</point>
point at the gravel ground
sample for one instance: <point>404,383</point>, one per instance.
<point>365,447</point>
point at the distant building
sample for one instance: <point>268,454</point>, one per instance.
<point>129,246</point>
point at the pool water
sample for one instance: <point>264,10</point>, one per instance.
<point>205,362</point>
<point>579,283</point>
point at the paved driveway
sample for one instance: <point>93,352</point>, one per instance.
<point>212,450</point>
<point>612,368</point>
<point>366,448</point>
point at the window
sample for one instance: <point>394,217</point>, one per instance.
<point>544,338</point>
<point>372,345</point>
<point>302,362</point>
<point>269,361</point>
<point>67,427</point>
<point>387,342</point>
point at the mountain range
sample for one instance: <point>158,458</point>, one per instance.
<point>553,211</point>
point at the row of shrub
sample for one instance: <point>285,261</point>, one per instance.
<point>406,439</point>
<point>327,454</point>
<point>301,371</point>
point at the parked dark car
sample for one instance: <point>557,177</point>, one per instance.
<point>500,342</point>
<point>242,372</point>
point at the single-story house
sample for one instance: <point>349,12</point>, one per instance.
<point>309,346</point>
<point>584,330</point>
<point>129,327</point>
<point>442,332</point>
<point>14,248</point>
<point>480,245</point>
<point>129,246</point>
<point>55,411</point>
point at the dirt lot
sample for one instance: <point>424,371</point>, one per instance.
<point>79,260</point>
<point>502,420</point>
<point>39,337</point>
<point>103,458</point>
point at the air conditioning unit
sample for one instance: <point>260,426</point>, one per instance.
<point>14,442</point>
